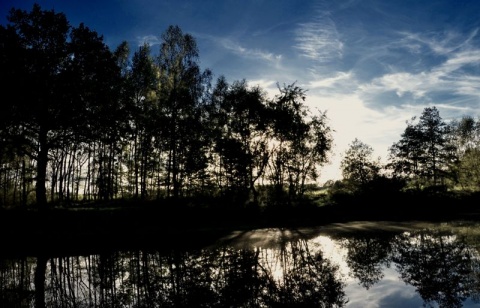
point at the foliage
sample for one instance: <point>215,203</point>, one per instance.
<point>97,124</point>
<point>71,76</point>
<point>424,154</point>
<point>300,144</point>
<point>358,166</point>
<point>466,134</point>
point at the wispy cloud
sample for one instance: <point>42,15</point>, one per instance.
<point>452,76</point>
<point>439,43</point>
<point>440,80</point>
<point>319,40</point>
<point>329,82</point>
<point>232,45</point>
<point>226,43</point>
<point>459,60</point>
<point>149,39</point>
<point>239,50</point>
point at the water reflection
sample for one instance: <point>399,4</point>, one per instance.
<point>437,265</point>
<point>366,257</point>
<point>261,268</point>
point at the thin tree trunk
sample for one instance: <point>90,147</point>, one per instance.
<point>42,162</point>
<point>24,184</point>
<point>40,282</point>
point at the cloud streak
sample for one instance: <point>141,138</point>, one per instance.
<point>454,74</point>
<point>254,53</point>
<point>318,40</point>
<point>151,40</point>
<point>447,77</point>
<point>440,44</point>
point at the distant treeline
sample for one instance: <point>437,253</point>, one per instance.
<point>80,122</point>
<point>432,156</point>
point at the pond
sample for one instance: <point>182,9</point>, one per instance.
<point>357,264</point>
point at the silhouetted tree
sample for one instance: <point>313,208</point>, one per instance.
<point>241,136</point>
<point>182,86</point>
<point>143,84</point>
<point>424,152</point>
<point>69,72</point>
<point>299,145</point>
<point>358,165</point>
<point>308,154</point>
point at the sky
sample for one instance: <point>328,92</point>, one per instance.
<point>370,65</point>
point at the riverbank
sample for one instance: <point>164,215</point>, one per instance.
<point>129,225</point>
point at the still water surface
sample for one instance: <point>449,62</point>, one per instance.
<point>358,264</point>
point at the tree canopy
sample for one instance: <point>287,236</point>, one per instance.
<point>97,124</point>
<point>425,152</point>
<point>100,124</point>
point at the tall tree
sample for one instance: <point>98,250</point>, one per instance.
<point>308,153</point>
<point>41,40</point>
<point>143,83</point>
<point>425,149</point>
<point>182,86</point>
<point>242,123</point>
<point>288,112</point>
<point>439,152</point>
<point>405,155</point>
<point>301,142</point>
<point>68,72</point>
<point>466,133</point>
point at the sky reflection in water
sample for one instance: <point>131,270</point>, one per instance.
<point>343,265</point>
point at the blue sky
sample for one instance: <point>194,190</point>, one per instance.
<point>371,65</point>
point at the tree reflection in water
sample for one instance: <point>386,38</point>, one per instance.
<point>223,277</point>
<point>366,257</point>
<point>437,265</point>
<point>442,266</point>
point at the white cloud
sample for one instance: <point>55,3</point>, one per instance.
<point>401,83</point>
<point>233,46</point>
<point>447,77</point>
<point>440,43</point>
<point>458,60</point>
<point>149,39</point>
<point>329,82</point>
<point>318,40</point>
<point>237,49</point>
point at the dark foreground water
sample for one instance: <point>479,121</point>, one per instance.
<point>339,265</point>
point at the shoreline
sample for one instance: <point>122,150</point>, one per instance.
<point>84,230</point>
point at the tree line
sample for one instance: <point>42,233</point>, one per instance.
<point>81,122</point>
<point>431,155</point>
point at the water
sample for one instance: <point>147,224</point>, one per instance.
<point>358,264</point>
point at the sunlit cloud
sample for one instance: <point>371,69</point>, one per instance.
<point>400,83</point>
<point>269,86</point>
<point>351,117</point>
